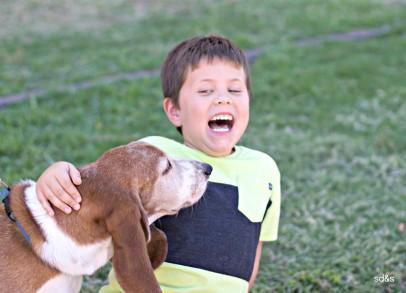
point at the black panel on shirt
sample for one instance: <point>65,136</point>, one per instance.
<point>213,234</point>
<point>267,208</point>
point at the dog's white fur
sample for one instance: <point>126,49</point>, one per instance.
<point>62,284</point>
<point>184,184</point>
<point>61,251</point>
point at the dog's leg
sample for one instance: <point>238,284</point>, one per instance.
<point>157,247</point>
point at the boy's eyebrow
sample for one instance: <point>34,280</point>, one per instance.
<point>210,79</point>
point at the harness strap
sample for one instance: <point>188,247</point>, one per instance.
<point>4,196</point>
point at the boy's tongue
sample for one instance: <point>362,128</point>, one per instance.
<point>219,127</point>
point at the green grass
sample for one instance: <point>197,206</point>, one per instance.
<point>332,115</point>
<point>334,125</point>
<point>68,52</point>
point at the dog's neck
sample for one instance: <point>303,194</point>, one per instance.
<point>56,248</point>
<point>23,214</point>
<point>51,248</point>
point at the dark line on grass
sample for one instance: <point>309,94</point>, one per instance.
<point>252,54</point>
<point>108,79</point>
<point>356,35</point>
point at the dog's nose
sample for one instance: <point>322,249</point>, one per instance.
<point>207,169</point>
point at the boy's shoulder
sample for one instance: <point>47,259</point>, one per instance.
<point>167,145</point>
<point>253,154</point>
<point>243,156</point>
<point>158,140</point>
<point>258,158</point>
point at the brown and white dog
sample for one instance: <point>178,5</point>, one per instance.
<point>123,192</point>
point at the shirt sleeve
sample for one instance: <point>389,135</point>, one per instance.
<point>270,224</point>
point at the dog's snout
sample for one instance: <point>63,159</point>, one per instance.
<point>207,169</point>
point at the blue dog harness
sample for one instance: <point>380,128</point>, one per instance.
<point>4,196</point>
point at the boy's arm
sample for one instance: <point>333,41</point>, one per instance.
<point>57,185</point>
<point>256,265</point>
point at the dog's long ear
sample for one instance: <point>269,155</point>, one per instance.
<point>144,219</point>
<point>131,263</point>
<point>157,247</point>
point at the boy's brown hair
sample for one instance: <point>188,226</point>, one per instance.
<point>189,53</point>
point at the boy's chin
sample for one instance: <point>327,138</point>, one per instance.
<point>220,146</point>
<point>220,150</point>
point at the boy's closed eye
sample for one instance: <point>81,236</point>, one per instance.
<point>235,91</point>
<point>205,92</point>
<point>210,91</point>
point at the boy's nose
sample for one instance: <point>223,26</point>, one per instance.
<point>223,99</point>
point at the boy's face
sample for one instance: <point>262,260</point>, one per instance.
<point>213,107</point>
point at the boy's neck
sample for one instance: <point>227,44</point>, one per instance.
<point>211,155</point>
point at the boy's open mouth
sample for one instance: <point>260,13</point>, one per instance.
<point>221,122</point>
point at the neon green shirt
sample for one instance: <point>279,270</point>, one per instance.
<point>212,245</point>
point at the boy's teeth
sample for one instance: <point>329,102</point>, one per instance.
<point>222,117</point>
<point>220,129</point>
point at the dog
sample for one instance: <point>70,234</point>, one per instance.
<point>123,192</point>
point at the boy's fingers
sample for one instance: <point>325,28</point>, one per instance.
<point>60,205</point>
<point>74,175</point>
<point>70,189</point>
<point>77,180</point>
<point>59,198</point>
<point>45,204</point>
<point>66,192</point>
<point>74,193</point>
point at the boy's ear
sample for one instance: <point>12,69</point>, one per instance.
<point>172,112</point>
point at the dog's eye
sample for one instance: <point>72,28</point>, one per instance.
<point>168,168</point>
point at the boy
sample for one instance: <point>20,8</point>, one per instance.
<point>215,246</point>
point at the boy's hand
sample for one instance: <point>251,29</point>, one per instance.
<point>57,185</point>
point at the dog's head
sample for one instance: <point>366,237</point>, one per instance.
<point>142,184</point>
<point>163,184</point>
<point>167,184</point>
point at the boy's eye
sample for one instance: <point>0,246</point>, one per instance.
<point>234,91</point>
<point>205,92</point>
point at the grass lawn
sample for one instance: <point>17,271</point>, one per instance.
<point>330,114</point>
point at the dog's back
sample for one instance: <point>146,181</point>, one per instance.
<point>17,260</point>
<point>52,265</point>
